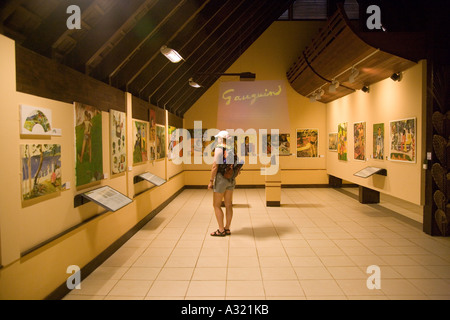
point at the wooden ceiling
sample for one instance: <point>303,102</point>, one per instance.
<point>119,41</point>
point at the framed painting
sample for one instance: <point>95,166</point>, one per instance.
<point>359,141</point>
<point>247,145</point>
<point>140,142</point>
<point>332,141</point>
<point>35,121</point>
<point>307,143</point>
<point>118,145</point>
<point>342,141</point>
<point>160,141</point>
<point>378,141</point>
<point>172,141</point>
<point>88,144</point>
<point>285,144</point>
<point>152,129</point>
<point>403,139</point>
<point>41,170</point>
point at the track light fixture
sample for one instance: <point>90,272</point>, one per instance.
<point>194,84</point>
<point>333,86</point>
<point>171,54</point>
<point>354,73</point>
<point>366,89</point>
<point>397,76</point>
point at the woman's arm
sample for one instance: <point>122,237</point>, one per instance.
<point>214,169</point>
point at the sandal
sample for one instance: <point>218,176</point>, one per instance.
<point>217,233</point>
<point>227,231</point>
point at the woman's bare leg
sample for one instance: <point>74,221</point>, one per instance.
<point>228,199</point>
<point>217,204</point>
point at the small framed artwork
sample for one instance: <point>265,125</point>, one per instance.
<point>342,141</point>
<point>359,141</point>
<point>332,141</point>
<point>307,143</point>
<point>403,140</point>
<point>378,141</point>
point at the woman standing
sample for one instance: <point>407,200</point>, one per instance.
<point>223,187</point>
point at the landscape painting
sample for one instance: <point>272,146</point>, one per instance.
<point>35,121</point>
<point>41,170</point>
<point>118,141</point>
<point>88,144</point>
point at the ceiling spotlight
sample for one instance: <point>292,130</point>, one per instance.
<point>398,76</point>
<point>171,54</point>
<point>319,94</point>
<point>333,86</point>
<point>365,89</point>
<point>312,98</point>
<point>353,75</point>
<point>194,84</point>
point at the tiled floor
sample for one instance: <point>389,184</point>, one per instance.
<point>317,245</point>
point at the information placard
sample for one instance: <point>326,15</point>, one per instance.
<point>108,198</point>
<point>367,172</point>
<point>157,181</point>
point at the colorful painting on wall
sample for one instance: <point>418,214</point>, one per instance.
<point>378,141</point>
<point>118,141</point>
<point>140,142</point>
<point>342,141</point>
<point>359,141</point>
<point>152,129</point>
<point>172,141</point>
<point>88,144</point>
<point>402,134</point>
<point>160,141</point>
<point>35,121</point>
<point>285,144</point>
<point>248,144</point>
<point>333,141</point>
<point>41,170</point>
<point>307,143</point>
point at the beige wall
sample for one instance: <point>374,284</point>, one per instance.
<point>270,56</point>
<point>386,101</point>
<point>26,225</point>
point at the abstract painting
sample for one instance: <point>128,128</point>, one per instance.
<point>378,141</point>
<point>140,142</point>
<point>342,141</point>
<point>88,144</point>
<point>359,141</point>
<point>307,143</point>
<point>118,141</point>
<point>41,170</point>
<point>35,121</point>
<point>403,140</point>
<point>332,141</point>
<point>160,141</point>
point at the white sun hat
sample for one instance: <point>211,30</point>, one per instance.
<point>222,134</point>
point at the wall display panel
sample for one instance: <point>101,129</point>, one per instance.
<point>160,142</point>
<point>307,143</point>
<point>333,141</point>
<point>378,141</point>
<point>88,144</point>
<point>140,142</point>
<point>342,141</point>
<point>118,141</point>
<point>402,135</point>
<point>359,141</point>
<point>41,170</point>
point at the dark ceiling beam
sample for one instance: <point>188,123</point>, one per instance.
<point>184,104</point>
<point>228,33</point>
<point>148,52</point>
<point>198,33</point>
<point>101,33</point>
<point>52,28</point>
<point>130,43</point>
<point>7,8</point>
